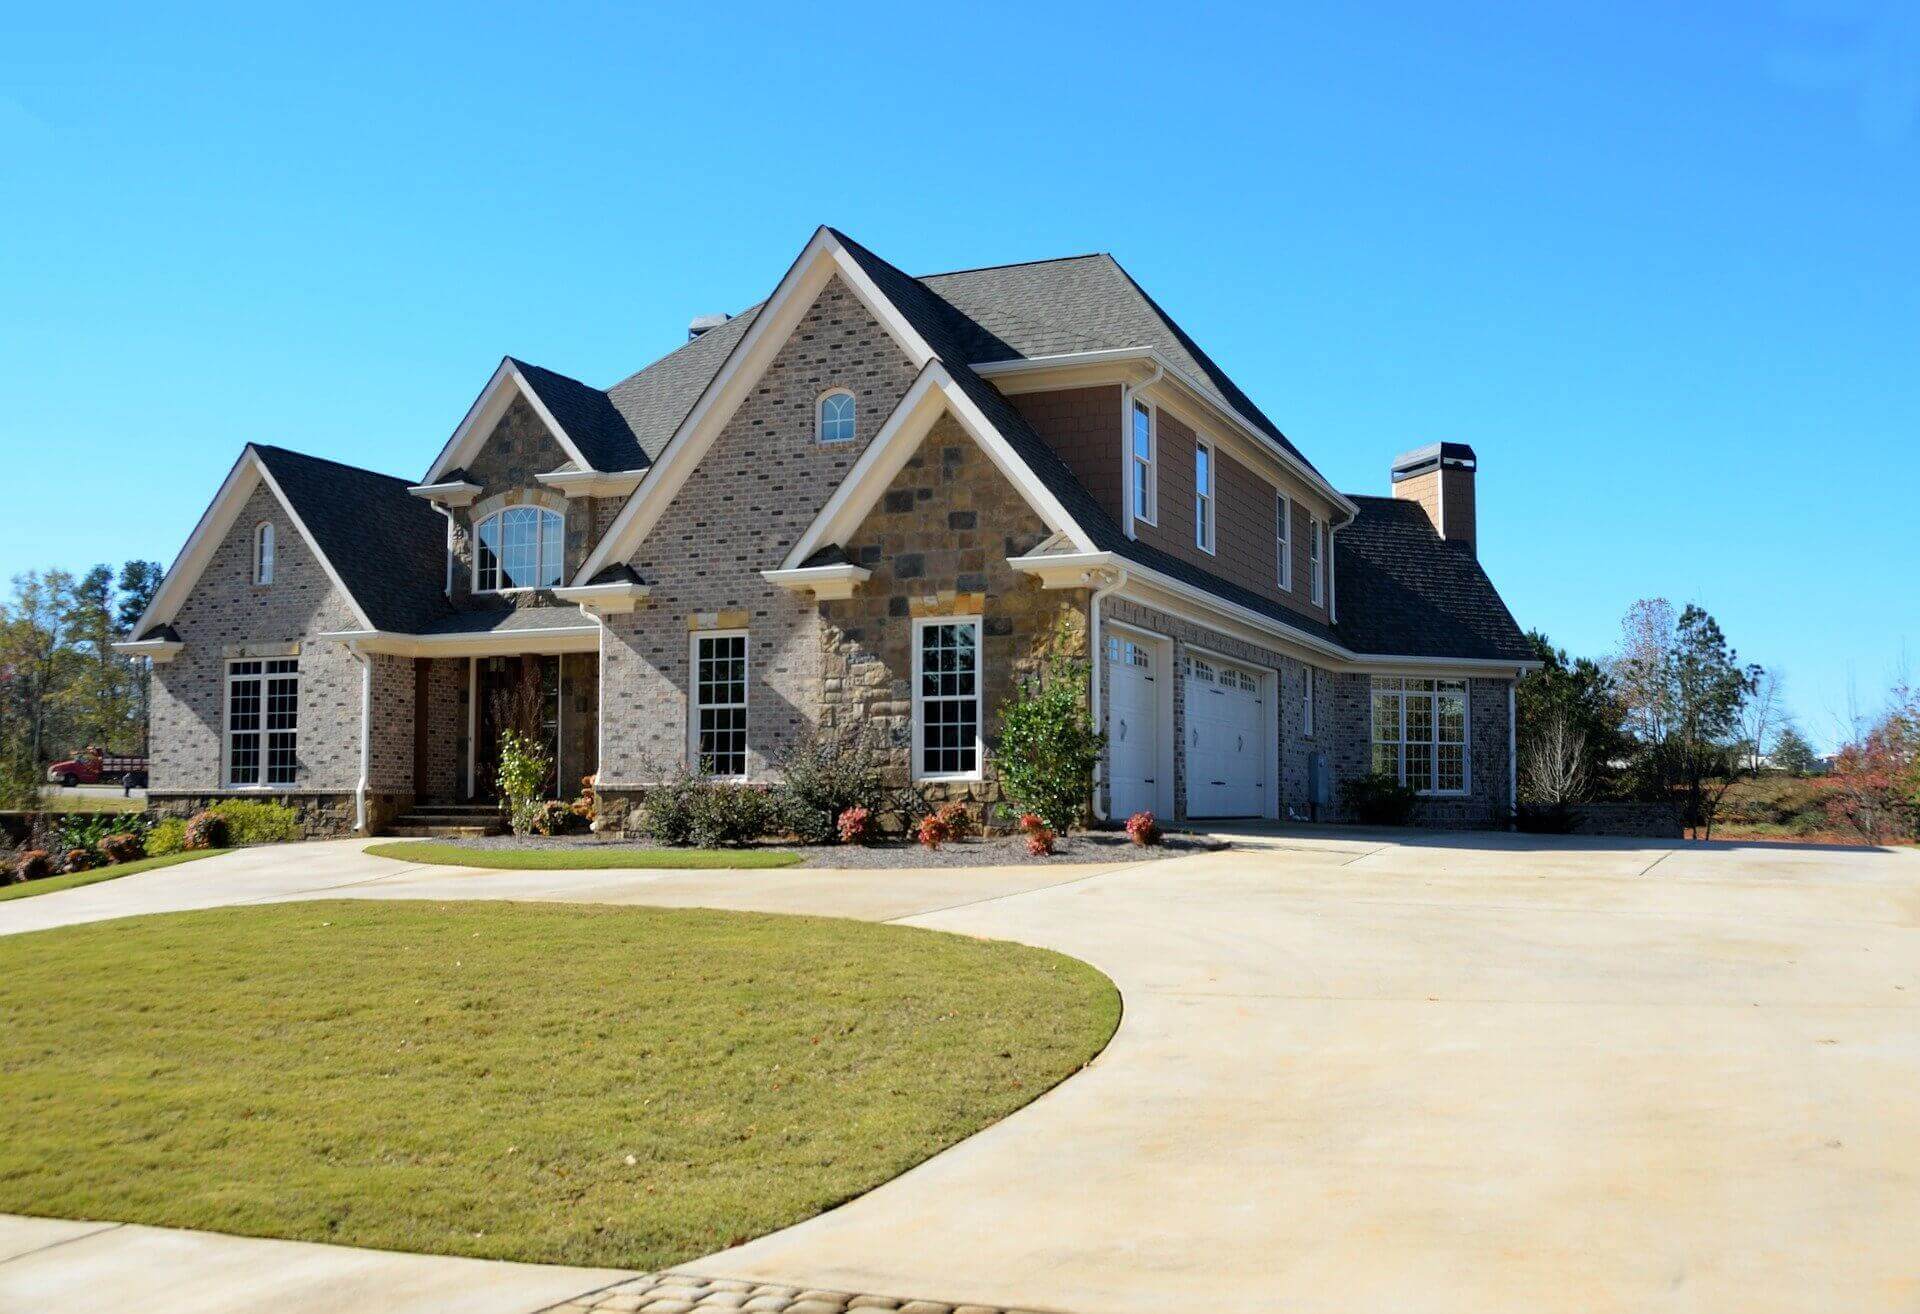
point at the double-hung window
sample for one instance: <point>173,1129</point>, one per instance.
<point>1316,560</point>
<point>263,722</point>
<point>1203,497</point>
<point>946,699</point>
<point>720,703</point>
<point>1140,465</point>
<point>1283,541</point>
<point>1420,733</point>
<point>522,547</point>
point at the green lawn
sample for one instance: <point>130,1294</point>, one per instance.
<point>580,859</point>
<point>630,1087</point>
<point>49,884</point>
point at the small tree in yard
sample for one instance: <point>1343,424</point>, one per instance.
<point>1876,778</point>
<point>1048,745</point>
<point>1793,754</point>
<point>524,767</point>
<point>1553,762</point>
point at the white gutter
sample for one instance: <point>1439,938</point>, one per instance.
<point>1513,763</point>
<point>1093,635</point>
<point>366,737</point>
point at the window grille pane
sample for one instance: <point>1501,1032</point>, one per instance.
<point>720,681</point>
<point>836,418</point>
<point>553,550</point>
<point>949,699</point>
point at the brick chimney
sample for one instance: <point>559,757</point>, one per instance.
<point>1439,477</point>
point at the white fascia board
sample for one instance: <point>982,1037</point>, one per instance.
<point>933,393</point>
<point>248,473</point>
<point>1151,356</point>
<point>1388,664</point>
<point>593,483</point>
<point>823,257</point>
<point>486,411</point>
<point>608,599</point>
<point>830,583</point>
<point>1066,570</point>
<point>159,651</point>
<point>491,643</point>
<point>457,493</point>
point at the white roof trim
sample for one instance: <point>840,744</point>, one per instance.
<point>823,257</point>
<point>479,643</point>
<point>486,411</point>
<point>828,582</point>
<point>458,492</point>
<point>593,483</point>
<point>248,473</point>
<point>617,598</point>
<point>933,393</point>
<point>993,369</point>
<point>161,651</point>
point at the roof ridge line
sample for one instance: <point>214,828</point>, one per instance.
<point>1013,264</point>
<point>327,460</point>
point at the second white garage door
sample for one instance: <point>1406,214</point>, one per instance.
<point>1226,741</point>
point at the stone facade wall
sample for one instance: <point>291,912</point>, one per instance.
<point>322,816</point>
<point>937,544</point>
<point>1627,820</point>
<point>519,448</point>
<point>740,511</point>
<point>227,616</point>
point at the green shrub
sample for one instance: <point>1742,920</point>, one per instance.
<point>1048,746</point>
<point>694,809</point>
<point>257,821</point>
<point>205,830</point>
<point>122,846</point>
<point>1378,799</point>
<point>522,778</point>
<point>167,835</point>
<point>86,832</point>
<point>825,775</point>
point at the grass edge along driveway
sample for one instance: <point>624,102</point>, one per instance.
<point>579,1084</point>
<point>578,859</point>
<point>74,880</point>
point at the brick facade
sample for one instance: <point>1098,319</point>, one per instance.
<point>740,511</point>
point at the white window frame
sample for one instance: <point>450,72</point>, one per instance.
<point>1317,561</point>
<point>695,706</point>
<point>1205,536</point>
<point>1396,686</point>
<point>920,626</point>
<point>820,416</point>
<point>265,553</point>
<point>1142,468</point>
<point>540,541</point>
<point>1306,705</point>
<point>261,676</point>
<point>1283,541</point>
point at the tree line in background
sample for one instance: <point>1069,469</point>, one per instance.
<point>1675,716</point>
<point>62,687</point>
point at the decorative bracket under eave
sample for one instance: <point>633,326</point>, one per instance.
<point>453,492</point>
<point>616,598</point>
<point>158,651</point>
<point>592,483</point>
<point>1066,570</point>
<point>827,583</point>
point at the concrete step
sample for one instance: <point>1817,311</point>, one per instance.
<point>441,830</point>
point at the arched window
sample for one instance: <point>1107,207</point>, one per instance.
<point>836,416</point>
<point>522,547</point>
<point>263,553</point>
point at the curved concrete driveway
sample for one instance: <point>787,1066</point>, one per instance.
<point>1425,1074</point>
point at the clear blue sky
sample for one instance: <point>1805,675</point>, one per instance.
<point>1661,271</point>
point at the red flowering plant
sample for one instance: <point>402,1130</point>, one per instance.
<point>933,831</point>
<point>855,825</point>
<point>1142,829</point>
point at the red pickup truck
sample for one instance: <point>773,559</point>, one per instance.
<point>93,767</point>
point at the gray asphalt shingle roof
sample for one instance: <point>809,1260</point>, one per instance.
<point>590,418</point>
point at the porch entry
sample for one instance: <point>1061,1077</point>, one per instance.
<point>521,694</point>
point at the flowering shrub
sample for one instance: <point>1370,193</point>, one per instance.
<point>123,847</point>
<point>522,778</point>
<point>206,830</point>
<point>553,818</point>
<point>959,820</point>
<point>1040,841</point>
<point>1143,830</point>
<point>33,865</point>
<point>80,860</point>
<point>933,831</point>
<point>1031,821</point>
<point>856,826</point>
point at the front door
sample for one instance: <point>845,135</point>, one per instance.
<point>521,694</point>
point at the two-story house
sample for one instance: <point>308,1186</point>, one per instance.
<point>871,500</point>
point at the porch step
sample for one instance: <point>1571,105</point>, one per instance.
<point>441,830</point>
<point>450,820</point>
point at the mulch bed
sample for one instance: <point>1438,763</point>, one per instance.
<point>993,851</point>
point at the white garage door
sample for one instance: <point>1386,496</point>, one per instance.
<point>1226,741</point>
<point>1133,735</point>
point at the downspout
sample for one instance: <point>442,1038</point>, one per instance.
<point>1097,669</point>
<point>366,737</point>
<point>1513,763</point>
